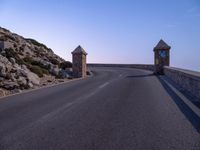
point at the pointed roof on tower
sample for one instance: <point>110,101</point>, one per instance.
<point>162,46</point>
<point>79,50</point>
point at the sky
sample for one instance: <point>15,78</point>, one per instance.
<point>111,31</point>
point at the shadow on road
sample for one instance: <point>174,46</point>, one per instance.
<point>140,76</point>
<point>185,109</point>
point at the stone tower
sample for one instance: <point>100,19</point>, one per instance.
<point>161,56</point>
<point>79,65</point>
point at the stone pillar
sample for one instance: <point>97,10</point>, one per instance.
<point>5,45</point>
<point>161,56</point>
<point>79,64</point>
<point>1,45</point>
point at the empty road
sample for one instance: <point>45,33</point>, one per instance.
<point>115,109</point>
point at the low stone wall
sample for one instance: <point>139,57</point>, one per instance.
<point>137,66</point>
<point>189,81</point>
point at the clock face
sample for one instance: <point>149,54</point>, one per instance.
<point>162,54</point>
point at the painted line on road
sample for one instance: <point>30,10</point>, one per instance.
<point>94,92</point>
<point>103,85</point>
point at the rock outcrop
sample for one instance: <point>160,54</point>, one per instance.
<point>25,62</point>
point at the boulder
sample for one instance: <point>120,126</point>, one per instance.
<point>10,85</point>
<point>16,66</point>
<point>9,68</point>
<point>21,72</point>
<point>24,67</point>
<point>5,64</point>
<point>46,63</point>
<point>4,60</point>
<point>63,74</point>
<point>3,52</point>
<point>22,81</point>
<point>2,70</point>
<point>15,91</point>
<point>12,77</point>
<point>12,60</point>
<point>2,93</point>
<point>33,78</point>
<point>30,85</point>
<point>55,71</point>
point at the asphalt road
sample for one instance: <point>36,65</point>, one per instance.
<point>115,109</point>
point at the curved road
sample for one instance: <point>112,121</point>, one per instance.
<point>115,109</point>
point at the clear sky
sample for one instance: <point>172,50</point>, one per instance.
<point>111,31</point>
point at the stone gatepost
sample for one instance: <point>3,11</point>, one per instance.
<point>161,56</point>
<point>79,64</point>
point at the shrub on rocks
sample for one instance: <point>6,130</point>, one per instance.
<point>37,70</point>
<point>65,64</point>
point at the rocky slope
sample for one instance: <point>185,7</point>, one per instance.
<point>26,63</point>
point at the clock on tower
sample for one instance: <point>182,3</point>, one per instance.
<point>161,56</point>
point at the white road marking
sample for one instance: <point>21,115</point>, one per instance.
<point>92,93</point>
<point>103,85</point>
<point>53,114</point>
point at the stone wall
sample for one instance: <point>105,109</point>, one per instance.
<point>79,65</point>
<point>189,81</point>
<point>137,66</point>
<point>5,45</point>
<point>84,66</point>
<point>1,45</point>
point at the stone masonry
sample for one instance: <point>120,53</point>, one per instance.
<point>79,65</point>
<point>161,56</point>
<point>189,81</point>
<point>5,45</point>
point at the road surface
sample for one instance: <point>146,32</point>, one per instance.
<point>115,109</point>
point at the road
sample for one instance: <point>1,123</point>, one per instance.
<point>115,109</point>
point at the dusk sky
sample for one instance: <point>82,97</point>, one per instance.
<point>111,31</point>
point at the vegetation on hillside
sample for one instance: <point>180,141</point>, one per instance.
<point>36,67</point>
<point>34,42</point>
<point>66,64</point>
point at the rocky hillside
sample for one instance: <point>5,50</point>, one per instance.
<point>26,63</point>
